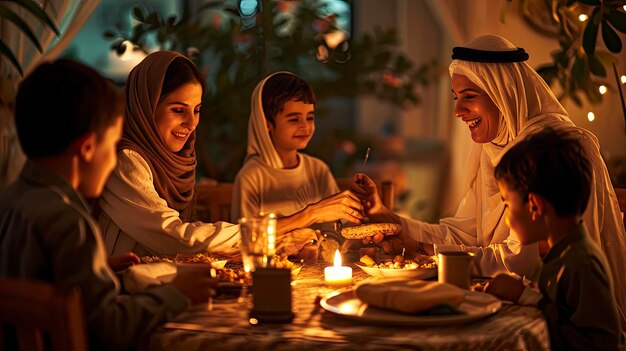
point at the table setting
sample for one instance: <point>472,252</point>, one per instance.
<point>344,305</point>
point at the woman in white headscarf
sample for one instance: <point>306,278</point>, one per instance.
<point>503,100</point>
<point>276,177</point>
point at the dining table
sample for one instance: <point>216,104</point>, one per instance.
<point>224,324</point>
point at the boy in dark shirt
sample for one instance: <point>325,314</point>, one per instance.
<point>545,181</point>
<point>69,120</point>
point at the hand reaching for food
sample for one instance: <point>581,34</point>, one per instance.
<point>123,261</point>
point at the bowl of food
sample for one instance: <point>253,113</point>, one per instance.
<point>422,267</point>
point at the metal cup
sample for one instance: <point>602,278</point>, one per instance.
<point>454,268</point>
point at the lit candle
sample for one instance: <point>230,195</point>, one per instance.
<point>337,275</point>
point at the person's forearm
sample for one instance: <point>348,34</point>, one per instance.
<point>297,220</point>
<point>384,215</point>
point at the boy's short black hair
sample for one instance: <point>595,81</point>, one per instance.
<point>283,87</point>
<point>551,164</point>
<point>61,101</point>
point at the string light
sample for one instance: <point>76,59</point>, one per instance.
<point>582,17</point>
<point>591,116</point>
<point>623,79</point>
<point>602,89</point>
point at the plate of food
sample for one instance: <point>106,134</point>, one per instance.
<point>421,267</point>
<point>284,262</point>
<point>362,231</point>
<point>188,260</point>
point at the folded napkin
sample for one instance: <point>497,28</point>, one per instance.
<point>141,276</point>
<point>409,296</point>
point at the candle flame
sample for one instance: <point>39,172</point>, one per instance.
<point>337,260</point>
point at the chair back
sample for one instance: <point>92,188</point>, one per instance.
<point>44,317</point>
<point>621,199</point>
<point>213,202</point>
<point>385,190</point>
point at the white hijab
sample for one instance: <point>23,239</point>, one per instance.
<point>259,141</point>
<point>527,104</point>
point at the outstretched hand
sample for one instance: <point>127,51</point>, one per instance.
<point>123,261</point>
<point>344,205</point>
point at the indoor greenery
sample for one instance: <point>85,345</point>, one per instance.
<point>288,35</point>
<point>581,64</point>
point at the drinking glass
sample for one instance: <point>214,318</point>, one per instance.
<point>258,241</point>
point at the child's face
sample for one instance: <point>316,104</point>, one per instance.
<point>96,171</point>
<point>177,115</point>
<point>518,216</point>
<point>293,126</point>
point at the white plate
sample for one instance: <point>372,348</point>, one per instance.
<point>345,303</point>
<point>416,273</point>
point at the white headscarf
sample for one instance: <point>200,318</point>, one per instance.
<point>259,141</point>
<point>527,104</point>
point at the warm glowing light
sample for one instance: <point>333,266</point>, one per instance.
<point>602,89</point>
<point>582,17</point>
<point>337,259</point>
<point>591,116</point>
<point>337,275</point>
<point>623,79</point>
<point>624,7</point>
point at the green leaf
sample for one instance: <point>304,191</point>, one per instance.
<point>21,24</point>
<point>109,34</point>
<point>579,73</point>
<point>591,33</point>
<point>576,99</point>
<point>560,57</point>
<point>548,73</point>
<point>611,39</point>
<point>617,19</point>
<point>138,13</point>
<point>593,94</point>
<point>596,67</point>
<point>6,52</point>
<point>34,8</point>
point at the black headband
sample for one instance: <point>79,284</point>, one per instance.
<point>474,55</point>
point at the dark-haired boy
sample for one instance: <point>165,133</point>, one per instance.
<point>69,120</point>
<point>545,183</point>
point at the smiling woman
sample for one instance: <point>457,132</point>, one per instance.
<point>146,204</point>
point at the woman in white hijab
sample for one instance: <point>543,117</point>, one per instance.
<point>503,100</point>
<point>276,177</point>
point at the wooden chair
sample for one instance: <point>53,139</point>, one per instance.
<point>44,317</point>
<point>213,202</point>
<point>621,199</point>
<point>385,190</point>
